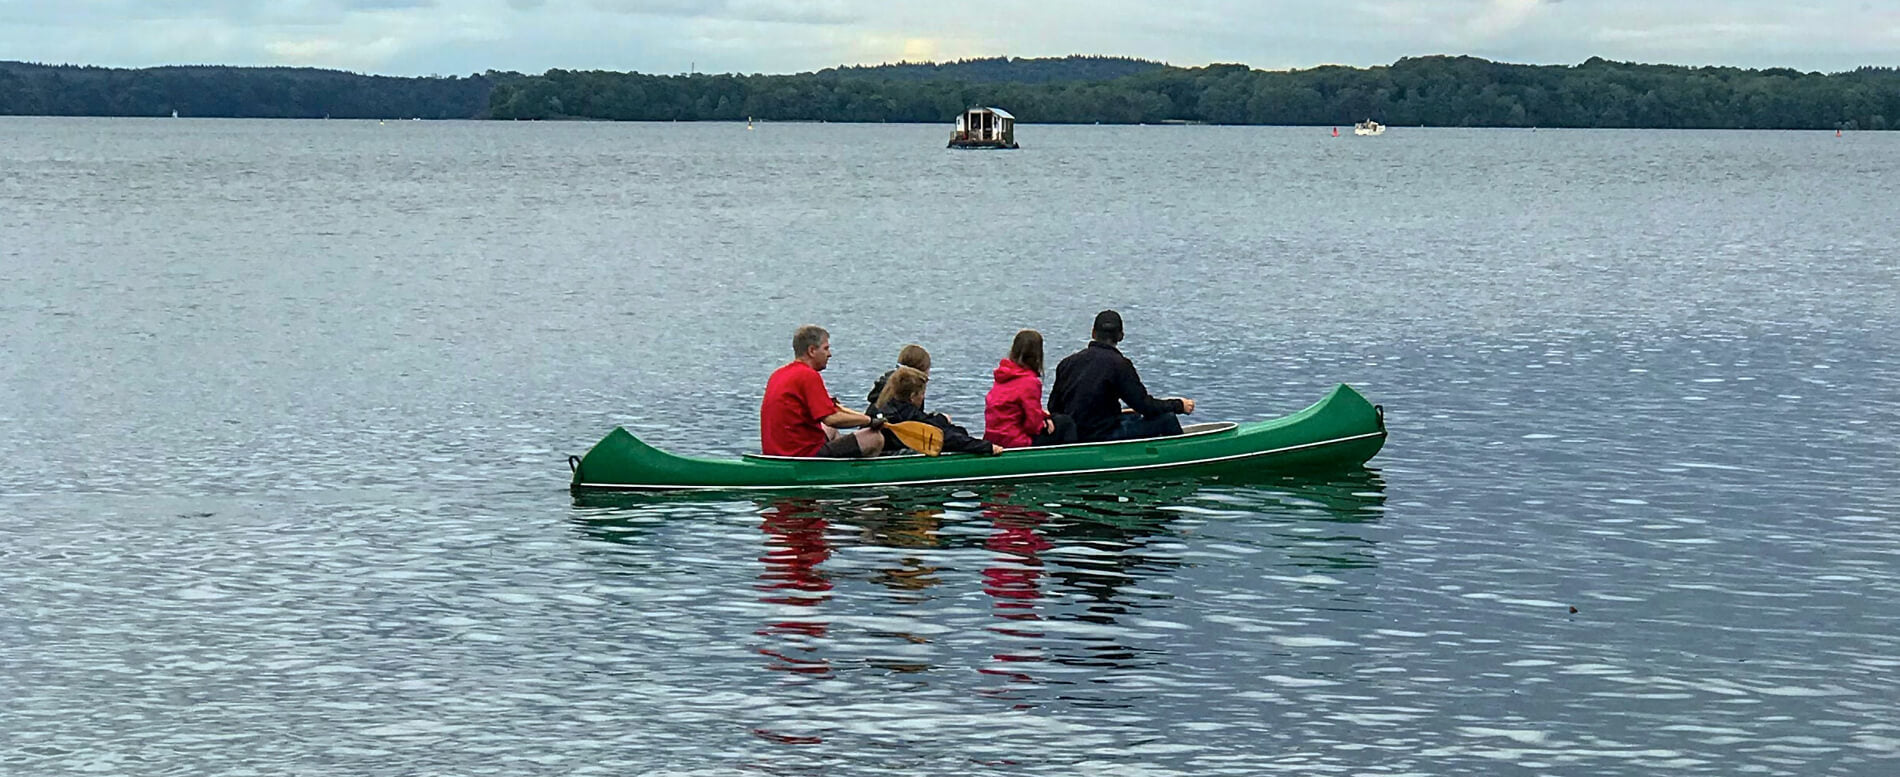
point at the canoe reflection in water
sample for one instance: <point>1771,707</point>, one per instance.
<point>796,537</point>
<point>791,578</point>
<point>1013,580</point>
<point>871,596</point>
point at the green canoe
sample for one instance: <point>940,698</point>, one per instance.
<point>1341,430</point>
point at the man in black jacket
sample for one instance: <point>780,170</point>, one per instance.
<point>1093,383</point>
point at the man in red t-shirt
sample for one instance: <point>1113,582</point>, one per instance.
<point>799,417</point>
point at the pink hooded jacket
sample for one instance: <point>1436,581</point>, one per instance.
<point>1013,410</point>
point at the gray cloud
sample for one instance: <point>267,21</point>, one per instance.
<point>100,12</point>
<point>782,11</point>
<point>459,36</point>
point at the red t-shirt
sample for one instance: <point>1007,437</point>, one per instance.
<point>795,401</point>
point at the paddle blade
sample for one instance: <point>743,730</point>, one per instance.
<point>918,436</point>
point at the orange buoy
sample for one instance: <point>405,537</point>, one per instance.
<point>1335,132</point>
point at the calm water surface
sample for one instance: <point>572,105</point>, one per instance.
<point>286,405</point>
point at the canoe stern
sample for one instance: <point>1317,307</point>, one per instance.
<point>622,459</point>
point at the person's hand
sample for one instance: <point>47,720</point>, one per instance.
<point>1187,406</point>
<point>877,422</point>
<point>1048,426</point>
<point>996,450</point>
<point>946,418</point>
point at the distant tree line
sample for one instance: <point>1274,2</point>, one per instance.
<point>1430,91</point>
<point>238,92</point>
<point>1075,67</point>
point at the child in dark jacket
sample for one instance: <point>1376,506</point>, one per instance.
<point>903,400</point>
<point>913,356</point>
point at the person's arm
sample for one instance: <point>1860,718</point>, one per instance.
<point>1128,381</point>
<point>845,419</point>
<point>956,439</point>
<point>1035,419</point>
<point>826,408</point>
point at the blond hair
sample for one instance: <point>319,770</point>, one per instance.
<point>905,383</point>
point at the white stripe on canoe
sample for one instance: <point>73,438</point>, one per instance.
<point>984,478</point>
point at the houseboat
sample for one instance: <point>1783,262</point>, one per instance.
<point>984,128</point>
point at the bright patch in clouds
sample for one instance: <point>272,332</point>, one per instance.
<point>920,50</point>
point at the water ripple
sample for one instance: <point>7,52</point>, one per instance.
<point>287,405</point>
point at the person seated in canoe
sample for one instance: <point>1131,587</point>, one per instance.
<point>1013,414</point>
<point>903,400</point>
<point>1092,384</point>
<point>913,356</point>
<point>799,417</point>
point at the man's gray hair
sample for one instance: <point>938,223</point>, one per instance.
<point>806,338</point>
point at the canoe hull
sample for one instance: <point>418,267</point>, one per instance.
<point>1341,430</point>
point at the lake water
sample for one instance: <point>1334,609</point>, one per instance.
<point>286,405</point>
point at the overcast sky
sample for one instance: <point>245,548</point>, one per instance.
<point>420,37</point>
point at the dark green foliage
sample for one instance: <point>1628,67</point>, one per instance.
<point>1074,67</point>
<point>238,92</point>
<point>1433,91</point>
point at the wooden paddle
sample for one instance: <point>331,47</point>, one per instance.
<point>915,435</point>
<point>918,436</point>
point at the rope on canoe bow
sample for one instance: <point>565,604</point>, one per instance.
<point>1377,410</point>
<point>574,463</point>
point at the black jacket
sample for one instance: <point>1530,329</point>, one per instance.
<point>1091,385</point>
<point>870,400</point>
<point>956,439</point>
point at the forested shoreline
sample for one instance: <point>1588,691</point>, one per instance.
<point>1421,91</point>
<point>238,92</point>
